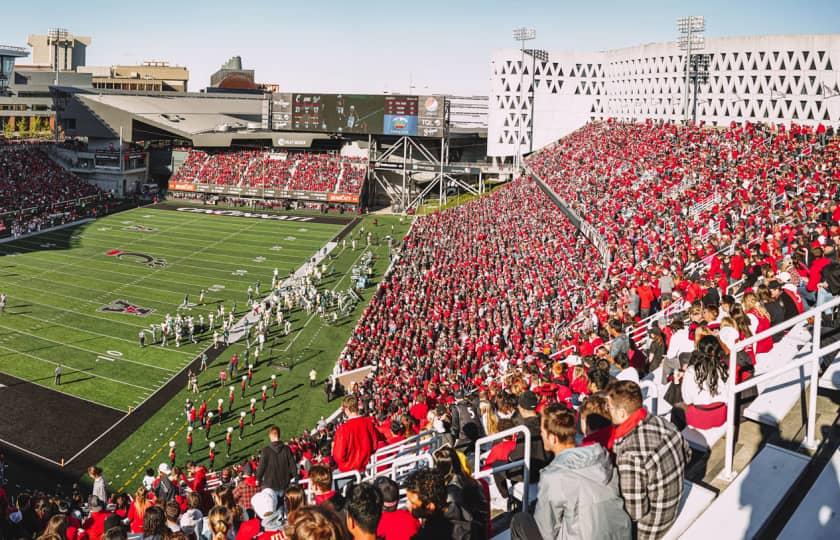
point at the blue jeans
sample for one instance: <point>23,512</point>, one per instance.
<point>823,297</point>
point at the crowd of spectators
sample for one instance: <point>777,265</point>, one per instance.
<point>320,172</point>
<point>476,329</point>
<point>36,193</point>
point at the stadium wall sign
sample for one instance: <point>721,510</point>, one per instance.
<point>263,193</point>
<point>140,258</point>
<point>237,213</point>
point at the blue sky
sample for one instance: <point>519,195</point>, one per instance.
<point>375,46</point>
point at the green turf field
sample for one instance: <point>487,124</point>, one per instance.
<point>59,281</point>
<point>297,407</point>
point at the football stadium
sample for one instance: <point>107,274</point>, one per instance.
<point>598,299</point>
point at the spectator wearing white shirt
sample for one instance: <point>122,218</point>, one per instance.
<point>703,388</point>
<point>680,341</point>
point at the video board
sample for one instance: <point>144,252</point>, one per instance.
<point>413,116</point>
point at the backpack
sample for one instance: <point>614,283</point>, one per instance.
<point>831,275</point>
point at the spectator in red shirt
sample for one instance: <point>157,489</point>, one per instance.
<point>813,293</point>
<point>646,297</point>
<point>395,523</point>
<point>321,486</point>
<point>356,439</point>
<point>198,475</point>
<point>95,523</point>
<point>138,509</point>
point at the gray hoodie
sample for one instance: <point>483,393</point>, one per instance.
<point>579,497</point>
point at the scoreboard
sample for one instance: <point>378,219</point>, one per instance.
<point>413,116</point>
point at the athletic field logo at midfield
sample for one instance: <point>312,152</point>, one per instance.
<point>139,228</point>
<point>140,258</point>
<point>126,307</point>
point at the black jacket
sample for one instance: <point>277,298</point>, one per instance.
<point>451,524</point>
<point>277,466</point>
<point>165,490</point>
<point>539,457</point>
<point>466,424</point>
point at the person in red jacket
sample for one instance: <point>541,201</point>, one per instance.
<point>138,509</point>
<point>356,439</point>
<point>95,523</point>
<point>815,291</point>
<point>198,475</point>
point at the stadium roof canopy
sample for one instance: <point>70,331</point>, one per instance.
<point>204,119</point>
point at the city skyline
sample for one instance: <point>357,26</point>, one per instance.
<point>379,47</point>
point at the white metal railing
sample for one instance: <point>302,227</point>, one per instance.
<point>638,332</point>
<point>702,206</point>
<point>303,483</point>
<point>812,358</point>
<point>385,456</point>
<point>524,463</point>
<point>402,466</point>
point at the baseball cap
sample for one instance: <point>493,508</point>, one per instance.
<point>528,400</point>
<point>189,520</point>
<point>264,502</point>
<point>164,468</point>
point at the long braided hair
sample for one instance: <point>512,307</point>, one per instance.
<point>708,361</point>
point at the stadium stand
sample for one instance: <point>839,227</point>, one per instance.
<point>36,193</point>
<point>306,171</point>
<point>496,311</point>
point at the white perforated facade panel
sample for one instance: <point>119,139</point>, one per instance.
<point>778,79</point>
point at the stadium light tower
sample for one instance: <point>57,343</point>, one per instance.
<point>59,38</point>
<point>690,39</point>
<point>521,35</point>
<point>699,75</point>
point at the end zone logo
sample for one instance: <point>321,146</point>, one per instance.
<point>123,306</point>
<point>139,228</point>
<point>140,258</point>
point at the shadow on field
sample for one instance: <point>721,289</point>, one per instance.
<point>50,240</point>
<point>290,389</point>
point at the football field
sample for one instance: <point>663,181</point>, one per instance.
<point>80,297</point>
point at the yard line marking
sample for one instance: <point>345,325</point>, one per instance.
<point>122,359</point>
<point>299,331</point>
<point>54,389</point>
<point>31,453</point>
<point>114,263</point>
<point>75,370</point>
<point>55,321</point>
<point>101,298</point>
<point>148,397</point>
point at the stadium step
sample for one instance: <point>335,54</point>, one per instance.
<point>694,501</point>
<point>818,515</point>
<point>830,379</point>
<point>778,398</point>
<point>742,509</point>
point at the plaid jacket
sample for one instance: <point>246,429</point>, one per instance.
<point>651,463</point>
